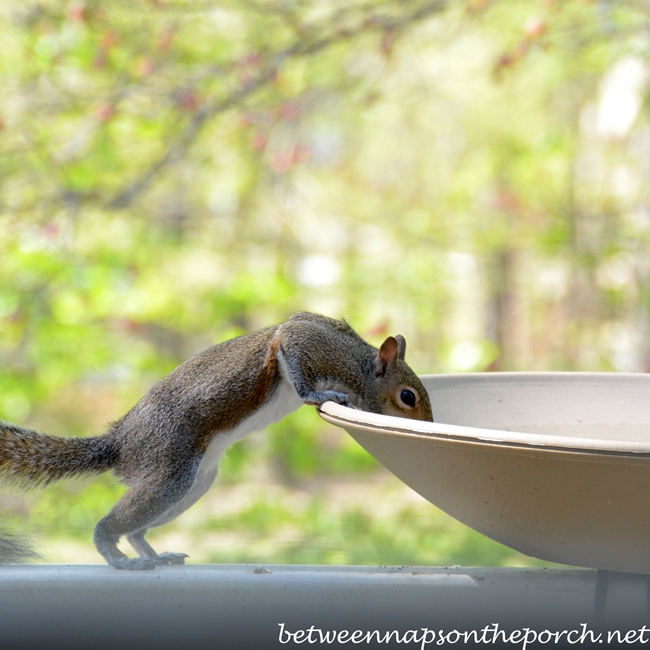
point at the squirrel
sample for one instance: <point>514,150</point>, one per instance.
<point>166,449</point>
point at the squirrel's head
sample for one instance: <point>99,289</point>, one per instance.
<point>399,390</point>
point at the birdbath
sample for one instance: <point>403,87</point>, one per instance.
<point>554,465</point>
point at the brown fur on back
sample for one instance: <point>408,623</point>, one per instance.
<point>211,392</point>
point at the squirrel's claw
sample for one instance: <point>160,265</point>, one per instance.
<point>171,558</point>
<point>339,398</point>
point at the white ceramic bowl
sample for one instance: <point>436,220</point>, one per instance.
<point>555,465</point>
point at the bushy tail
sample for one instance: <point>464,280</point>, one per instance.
<point>14,550</point>
<point>29,458</point>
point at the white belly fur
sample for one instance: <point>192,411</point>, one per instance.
<point>281,403</point>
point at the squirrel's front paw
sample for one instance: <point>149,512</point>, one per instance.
<point>320,397</point>
<point>339,398</point>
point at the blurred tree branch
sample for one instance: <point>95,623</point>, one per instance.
<point>309,43</point>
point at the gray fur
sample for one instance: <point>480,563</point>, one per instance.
<point>167,447</point>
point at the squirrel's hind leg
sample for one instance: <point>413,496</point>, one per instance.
<point>141,507</point>
<point>106,543</point>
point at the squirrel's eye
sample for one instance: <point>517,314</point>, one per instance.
<point>407,397</point>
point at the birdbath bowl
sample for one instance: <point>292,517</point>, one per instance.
<point>554,465</point>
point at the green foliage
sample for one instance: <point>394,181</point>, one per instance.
<point>86,505</point>
<point>342,522</point>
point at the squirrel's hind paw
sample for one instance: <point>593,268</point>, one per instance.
<point>172,558</point>
<point>135,563</point>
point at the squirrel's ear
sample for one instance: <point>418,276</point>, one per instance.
<point>401,346</point>
<point>387,356</point>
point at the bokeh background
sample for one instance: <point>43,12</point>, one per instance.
<point>471,174</point>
